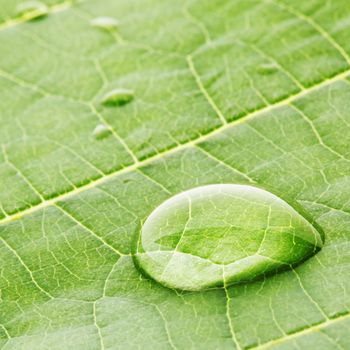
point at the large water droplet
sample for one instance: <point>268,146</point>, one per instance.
<point>117,97</point>
<point>223,234</point>
<point>107,23</point>
<point>32,9</point>
<point>101,131</point>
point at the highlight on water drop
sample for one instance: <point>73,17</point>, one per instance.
<point>107,23</point>
<point>268,68</point>
<point>32,10</point>
<point>218,235</point>
<point>118,97</point>
<point>101,131</point>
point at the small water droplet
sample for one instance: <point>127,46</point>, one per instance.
<point>105,23</point>
<point>32,10</point>
<point>218,235</point>
<point>117,97</point>
<point>267,68</point>
<point>101,131</point>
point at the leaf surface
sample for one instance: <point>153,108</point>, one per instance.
<point>253,92</point>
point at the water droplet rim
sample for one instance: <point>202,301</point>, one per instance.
<point>117,97</point>
<point>105,22</point>
<point>267,68</point>
<point>220,284</point>
<point>101,131</point>
<point>32,10</point>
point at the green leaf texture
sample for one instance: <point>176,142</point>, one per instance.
<point>247,91</point>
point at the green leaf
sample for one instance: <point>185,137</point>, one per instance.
<point>250,92</point>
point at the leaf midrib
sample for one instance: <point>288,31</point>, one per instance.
<point>284,102</point>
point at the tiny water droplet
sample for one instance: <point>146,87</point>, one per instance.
<point>117,97</point>
<point>267,68</point>
<point>107,23</point>
<point>32,10</point>
<point>218,235</point>
<point>101,131</point>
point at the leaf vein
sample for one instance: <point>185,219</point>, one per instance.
<point>19,258</point>
<point>316,26</point>
<point>203,90</point>
<point>68,214</point>
<point>178,148</point>
<point>314,328</point>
